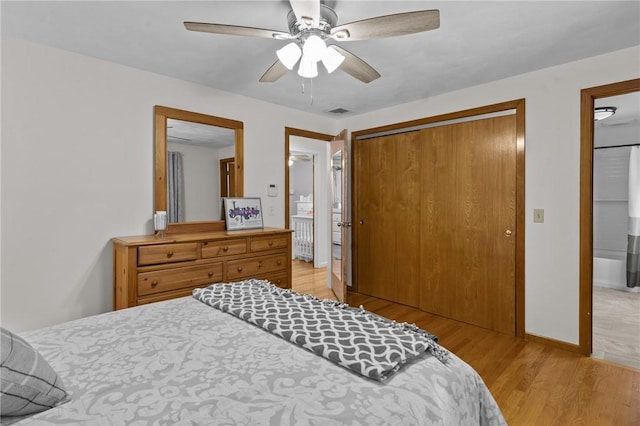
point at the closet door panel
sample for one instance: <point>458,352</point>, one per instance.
<point>376,267</point>
<point>388,217</point>
<point>468,222</point>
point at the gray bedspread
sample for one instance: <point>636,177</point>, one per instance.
<point>180,362</point>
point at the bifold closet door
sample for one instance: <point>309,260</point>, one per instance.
<point>388,227</point>
<point>468,217</point>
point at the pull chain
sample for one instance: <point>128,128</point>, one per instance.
<point>310,90</point>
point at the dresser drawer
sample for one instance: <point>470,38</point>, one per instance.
<point>159,297</point>
<point>256,266</point>
<point>223,248</point>
<point>269,243</point>
<point>177,278</point>
<point>281,279</point>
<point>167,253</point>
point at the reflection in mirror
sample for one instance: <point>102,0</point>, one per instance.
<point>336,189</point>
<point>198,160</point>
<point>336,171</point>
<point>195,183</point>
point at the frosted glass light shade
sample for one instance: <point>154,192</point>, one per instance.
<point>308,67</point>
<point>314,48</point>
<point>289,55</point>
<point>600,113</point>
<point>332,59</point>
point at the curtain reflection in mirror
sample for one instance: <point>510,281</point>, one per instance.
<point>175,187</point>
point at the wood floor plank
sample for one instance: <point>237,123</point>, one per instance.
<point>533,384</point>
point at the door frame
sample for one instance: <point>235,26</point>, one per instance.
<point>519,106</point>
<point>587,103</point>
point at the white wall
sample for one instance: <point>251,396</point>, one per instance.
<point>552,176</point>
<point>301,183</point>
<point>77,170</point>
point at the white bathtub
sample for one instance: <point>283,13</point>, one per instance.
<point>610,270</point>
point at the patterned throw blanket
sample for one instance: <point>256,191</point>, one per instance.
<point>366,343</point>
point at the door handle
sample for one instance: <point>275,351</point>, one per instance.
<point>508,233</point>
<point>345,224</point>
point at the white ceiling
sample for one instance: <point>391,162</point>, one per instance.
<point>477,42</point>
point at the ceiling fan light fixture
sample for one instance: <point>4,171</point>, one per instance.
<point>314,48</point>
<point>332,59</point>
<point>308,67</point>
<point>600,113</point>
<point>289,55</point>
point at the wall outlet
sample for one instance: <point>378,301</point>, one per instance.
<point>538,215</point>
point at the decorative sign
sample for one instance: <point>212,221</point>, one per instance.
<point>243,213</point>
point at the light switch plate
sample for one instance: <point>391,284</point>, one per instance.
<point>272,190</point>
<point>538,215</point>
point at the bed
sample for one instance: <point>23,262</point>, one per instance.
<point>184,361</point>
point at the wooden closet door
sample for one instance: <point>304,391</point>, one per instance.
<point>468,205</point>
<point>387,185</point>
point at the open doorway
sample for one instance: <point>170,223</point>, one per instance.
<point>604,188</point>
<point>306,208</point>
<point>616,293</point>
<point>301,205</point>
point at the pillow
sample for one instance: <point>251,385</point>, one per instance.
<point>28,384</point>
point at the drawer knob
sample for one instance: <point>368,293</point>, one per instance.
<point>239,268</point>
<point>279,262</point>
<point>270,243</point>
<point>225,249</point>
<point>169,253</point>
<point>260,264</point>
<point>154,283</point>
<point>210,274</point>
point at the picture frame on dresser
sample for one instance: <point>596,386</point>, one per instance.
<point>243,213</point>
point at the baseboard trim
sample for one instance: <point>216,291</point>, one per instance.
<point>554,343</point>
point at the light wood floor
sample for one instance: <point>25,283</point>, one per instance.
<point>533,384</point>
<point>616,326</point>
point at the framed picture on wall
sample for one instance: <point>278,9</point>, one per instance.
<point>243,213</point>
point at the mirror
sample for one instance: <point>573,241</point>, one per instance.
<point>336,179</point>
<point>198,160</point>
<point>336,214</point>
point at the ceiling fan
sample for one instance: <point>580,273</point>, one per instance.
<point>312,24</point>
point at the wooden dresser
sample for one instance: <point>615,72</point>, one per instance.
<point>150,269</point>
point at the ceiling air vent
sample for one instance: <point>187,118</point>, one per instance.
<point>338,111</point>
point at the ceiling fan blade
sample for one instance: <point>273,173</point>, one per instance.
<point>307,11</point>
<point>355,66</point>
<point>274,72</point>
<point>235,30</point>
<point>388,25</point>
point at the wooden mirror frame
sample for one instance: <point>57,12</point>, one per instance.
<point>160,157</point>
